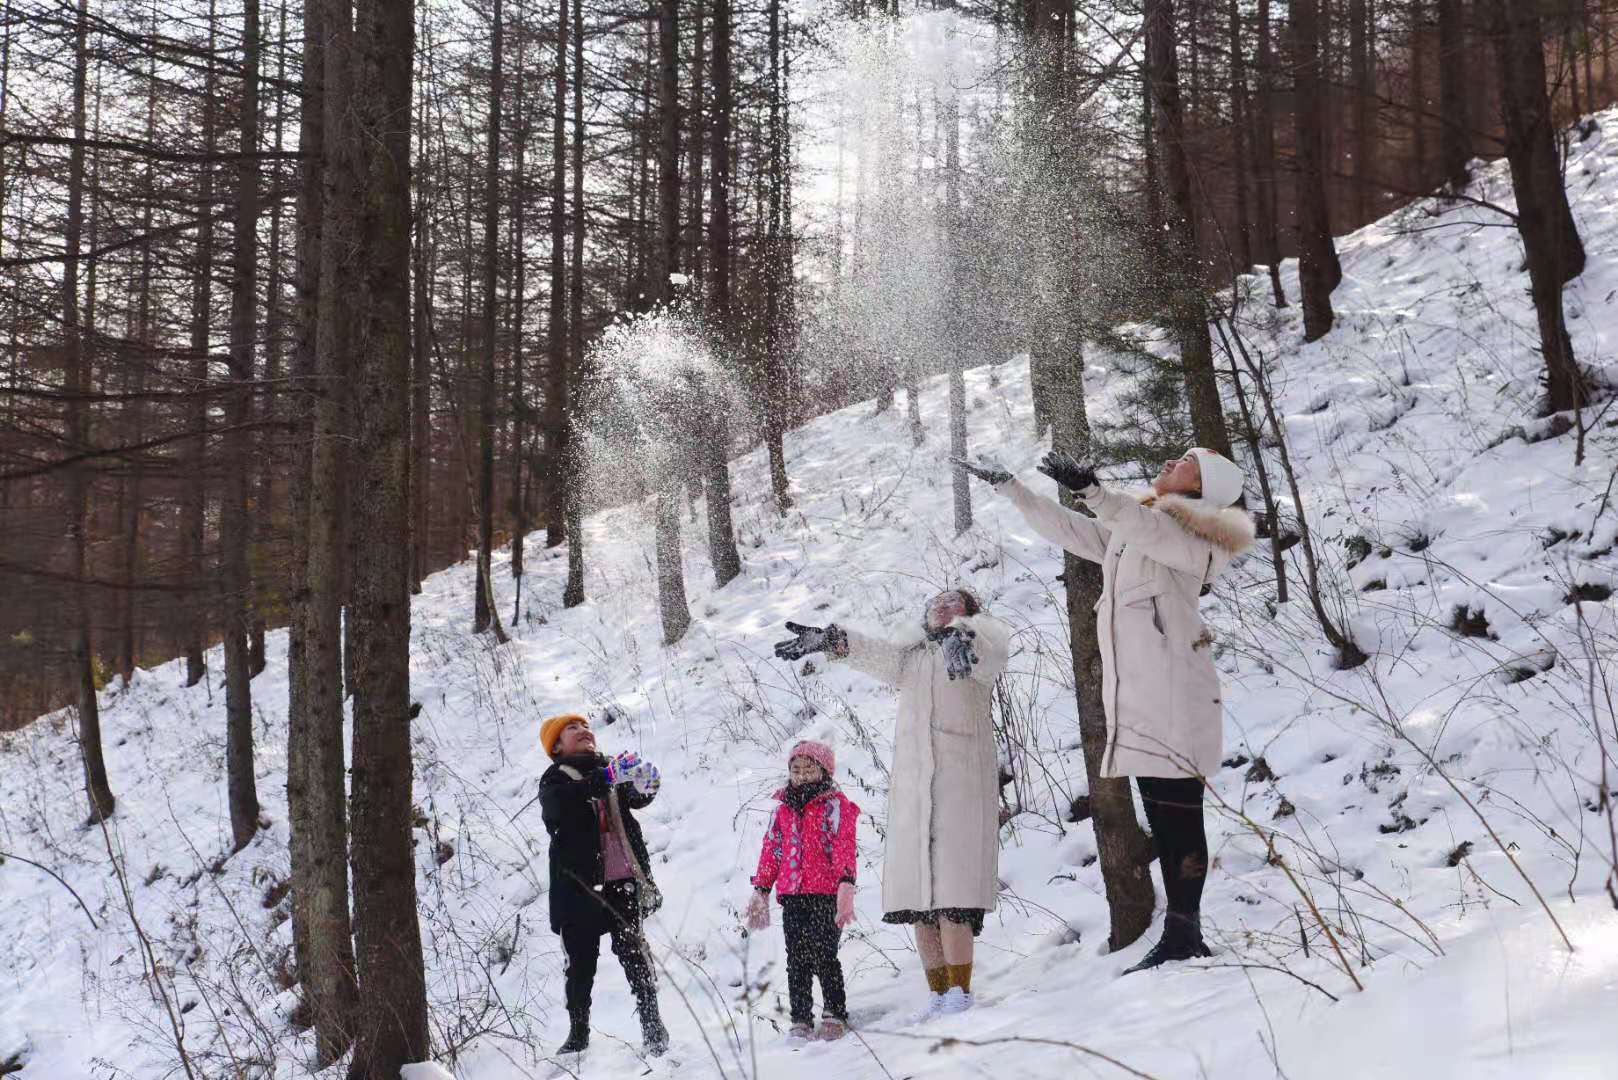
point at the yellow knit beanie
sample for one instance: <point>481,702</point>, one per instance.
<point>551,730</point>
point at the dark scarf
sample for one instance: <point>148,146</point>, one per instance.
<point>799,796</point>
<point>584,762</point>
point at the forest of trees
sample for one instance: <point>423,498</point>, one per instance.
<point>297,305</point>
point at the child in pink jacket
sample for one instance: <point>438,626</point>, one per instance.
<point>809,859</point>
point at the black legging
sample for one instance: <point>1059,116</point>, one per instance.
<point>812,937</point>
<point>1174,813</point>
<point>581,942</point>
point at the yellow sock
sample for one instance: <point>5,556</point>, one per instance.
<point>938,979</point>
<point>960,975</point>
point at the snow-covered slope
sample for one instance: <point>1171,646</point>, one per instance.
<point>1411,429</point>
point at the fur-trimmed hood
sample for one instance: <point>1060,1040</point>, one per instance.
<point>1230,528</point>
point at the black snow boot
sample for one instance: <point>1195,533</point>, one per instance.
<point>652,1032</point>
<point>1181,940</point>
<point>578,1034</point>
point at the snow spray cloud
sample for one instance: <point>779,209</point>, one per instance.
<point>1013,239</point>
<point>652,383</point>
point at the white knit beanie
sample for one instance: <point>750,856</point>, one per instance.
<point>1222,478</point>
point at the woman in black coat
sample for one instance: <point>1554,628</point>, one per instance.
<point>600,872</point>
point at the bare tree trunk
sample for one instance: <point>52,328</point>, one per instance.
<point>572,470</point>
<point>1187,301</point>
<point>556,388</point>
<point>1122,847</point>
<point>1607,78</point>
<point>698,138</point>
<point>910,359</point>
<point>1318,269</point>
<point>421,374</point>
<point>666,254</point>
<point>671,601</point>
<point>316,770</point>
<point>1567,54</point>
<point>466,504</point>
<point>483,605</point>
<point>1044,135</point>
<point>392,1021</point>
<point>1264,165</point>
<point>1362,52</point>
<point>791,370</point>
<point>269,588</point>
<point>1587,36</point>
<point>306,286</point>
<point>1418,95</point>
<point>719,148</point>
<point>671,598</point>
<point>519,272</point>
<point>960,484</point>
<point>80,379</point>
<point>237,586</point>
<point>1455,136</point>
<point>714,450</point>
<point>912,371</point>
<point>1544,220</point>
<point>1155,255</point>
<point>1123,850</point>
<point>193,499</point>
<point>130,519</point>
<point>777,266</point>
<point>1240,158</point>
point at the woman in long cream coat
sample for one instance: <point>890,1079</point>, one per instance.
<point>940,866</point>
<point>1160,690</point>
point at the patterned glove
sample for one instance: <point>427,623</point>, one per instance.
<point>984,468</point>
<point>959,656</point>
<point>645,778</point>
<point>619,768</point>
<point>811,639</point>
<point>1067,471</point>
<point>758,911</point>
<point>845,904</point>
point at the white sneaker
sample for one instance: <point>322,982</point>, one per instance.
<point>954,1000</point>
<point>928,1010</point>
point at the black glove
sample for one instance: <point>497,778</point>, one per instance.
<point>1061,467</point>
<point>984,469</point>
<point>811,639</point>
<point>959,656</point>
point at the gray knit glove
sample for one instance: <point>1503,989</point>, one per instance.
<point>959,656</point>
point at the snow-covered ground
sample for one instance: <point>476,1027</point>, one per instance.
<point>1411,428</point>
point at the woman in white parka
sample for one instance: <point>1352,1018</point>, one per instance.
<point>1160,690</point>
<point>941,857</point>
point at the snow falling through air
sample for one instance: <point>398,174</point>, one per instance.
<point>1411,428</point>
